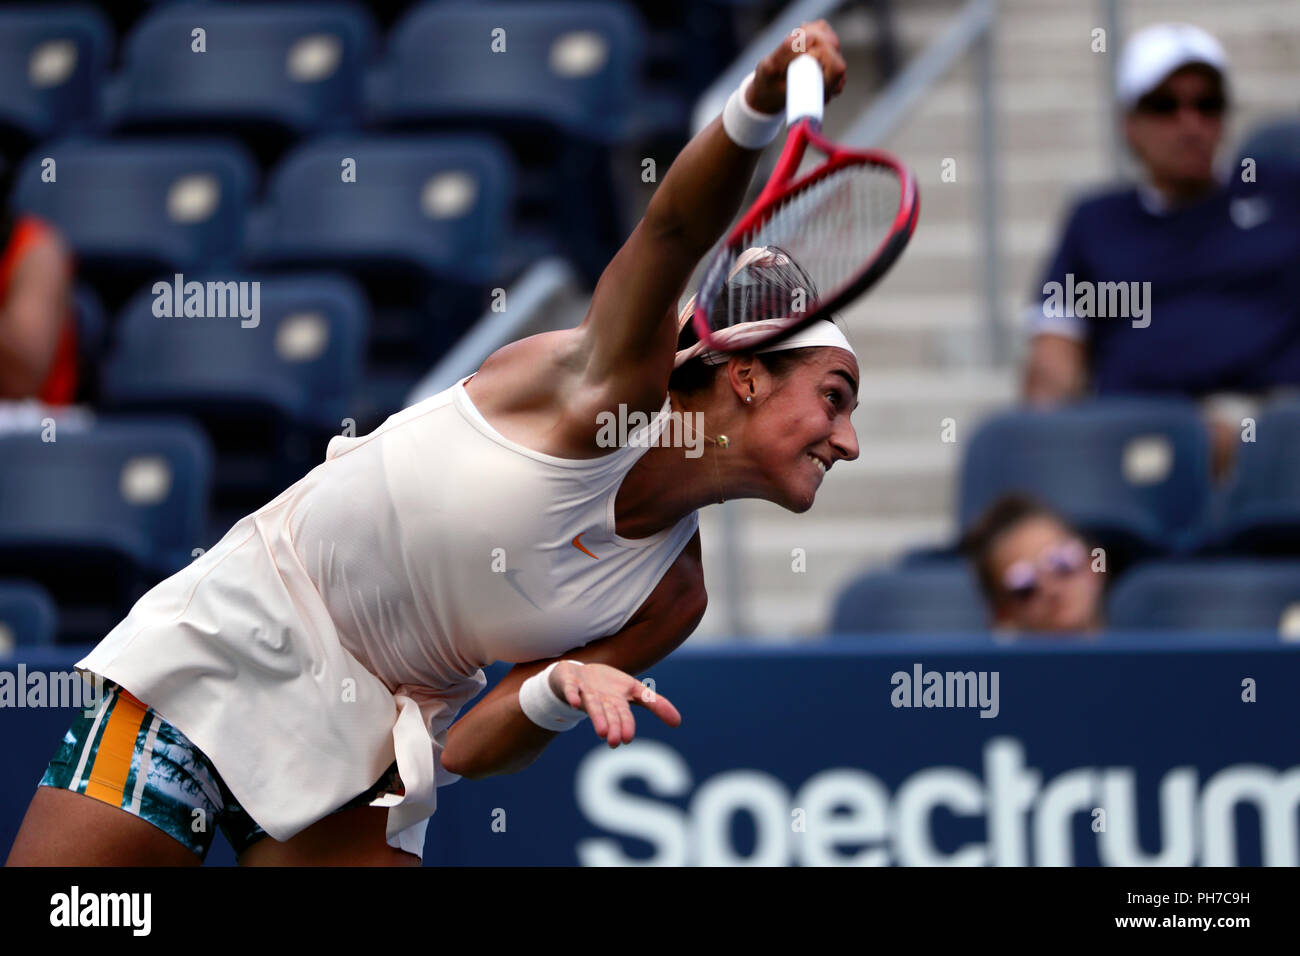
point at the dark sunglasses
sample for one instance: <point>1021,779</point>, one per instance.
<point>1023,579</point>
<point>1166,104</point>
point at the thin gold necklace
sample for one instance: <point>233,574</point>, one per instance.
<point>722,441</point>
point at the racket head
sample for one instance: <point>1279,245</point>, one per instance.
<point>842,225</point>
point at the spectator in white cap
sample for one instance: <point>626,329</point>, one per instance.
<point>1186,282</point>
<point>1172,86</point>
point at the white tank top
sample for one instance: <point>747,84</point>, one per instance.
<point>343,625</point>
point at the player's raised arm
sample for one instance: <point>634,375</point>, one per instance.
<point>630,328</point>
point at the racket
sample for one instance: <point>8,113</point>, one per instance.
<point>843,225</point>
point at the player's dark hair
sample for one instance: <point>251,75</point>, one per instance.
<point>781,279</point>
<point>695,375</point>
<point>983,534</point>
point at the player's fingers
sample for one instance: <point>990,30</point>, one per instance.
<point>595,709</point>
<point>834,87</point>
<point>821,40</point>
<point>613,722</point>
<point>802,39</point>
<point>643,693</point>
<point>808,37</point>
<point>824,32</point>
<point>661,707</point>
<point>834,72</point>
<point>628,722</point>
<point>611,713</point>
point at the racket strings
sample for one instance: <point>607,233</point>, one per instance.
<point>819,239</point>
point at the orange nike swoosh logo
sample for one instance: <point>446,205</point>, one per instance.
<point>577,544</point>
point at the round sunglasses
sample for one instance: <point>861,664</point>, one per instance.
<point>1023,579</point>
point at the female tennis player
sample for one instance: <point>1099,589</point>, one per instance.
<point>296,685</point>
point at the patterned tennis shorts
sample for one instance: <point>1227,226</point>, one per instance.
<point>125,754</point>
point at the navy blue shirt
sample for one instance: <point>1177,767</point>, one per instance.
<point>1224,305</point>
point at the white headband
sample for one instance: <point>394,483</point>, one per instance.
<point>734,338</point>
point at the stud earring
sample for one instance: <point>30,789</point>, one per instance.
<point>749,398</point>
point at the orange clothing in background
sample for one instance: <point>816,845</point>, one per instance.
<point>60,385</point>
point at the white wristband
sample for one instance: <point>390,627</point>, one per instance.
<point>543,708</point>
<point>746,126</point>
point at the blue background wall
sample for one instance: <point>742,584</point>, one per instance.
<point>798,755</point>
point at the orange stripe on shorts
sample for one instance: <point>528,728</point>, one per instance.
<point>112,764</point>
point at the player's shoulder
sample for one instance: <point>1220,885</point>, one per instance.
<point>532,372</point>
<point>539,392</point>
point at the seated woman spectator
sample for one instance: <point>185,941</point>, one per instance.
<point>1034,569</point>
<point>38,342</point>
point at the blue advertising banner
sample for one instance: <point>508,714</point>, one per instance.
<point>1168,750</point>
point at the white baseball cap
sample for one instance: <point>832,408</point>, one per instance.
<point>1154,52</point>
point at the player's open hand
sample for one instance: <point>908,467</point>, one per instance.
<point>767,92</point>
<point>605,693</point>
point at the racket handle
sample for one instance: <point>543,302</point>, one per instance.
<point>804,94</point>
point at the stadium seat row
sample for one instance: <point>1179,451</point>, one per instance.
<point>299,68</point>
<point>1134,472</point>
<point>1234,595</point>
<point>437,204</point>
<point>1134,475</point>
<point>1184,595</point>
<point>127,501</point>
<point>557,85</point>
<point>424,222</point>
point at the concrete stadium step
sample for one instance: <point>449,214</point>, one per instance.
<point>916,331</point>
<point>1042,203</point>
<point>880,311</point>
<point>953,272</point>
<point>898,477</point>
<point>1050,122</point>
<point>941,333</point>
<point>1049,23</point>
<point>911,404</point>
<point>778,599</point>
<point>955,133</point>
<point>946,239</point>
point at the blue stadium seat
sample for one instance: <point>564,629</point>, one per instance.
<point>96,516</point>
<point>1222,595</point>
<point>131,207</point>
<point>1132,471</point>
<point>571,66</point>
<point>92,327</point>
<point>27,616</point>
<point>289,68</point>
<point>299,361</point>
<point>1261,507</point>
<point>1275,148</point>
<point>52,64</point>
<point>268,394</point>
<point>562,93</point>
<point>438,204</point>
<point>929,598</point>
<point>423,226</point>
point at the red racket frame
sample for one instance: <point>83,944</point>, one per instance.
<point>779,187</point>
